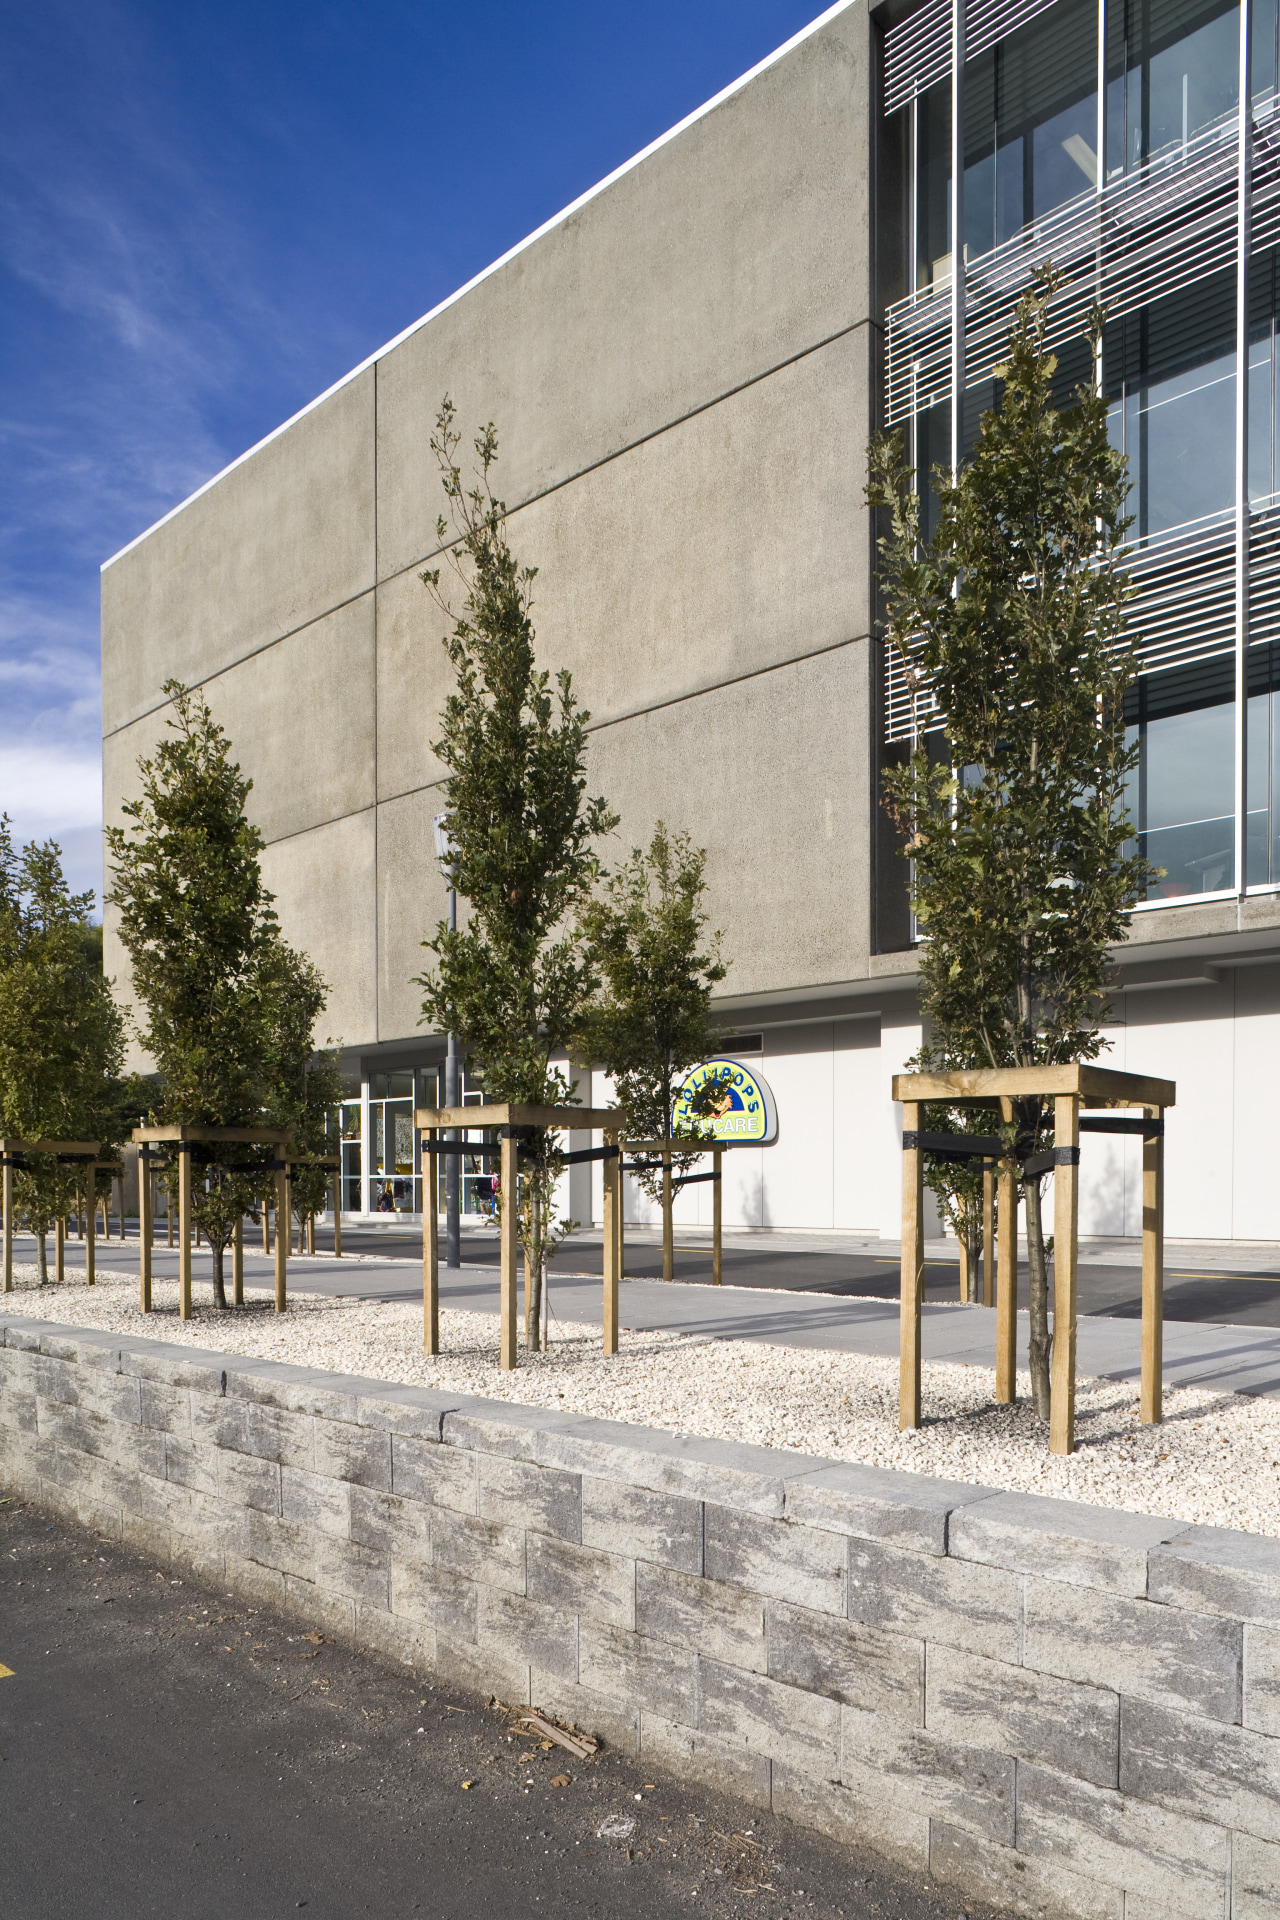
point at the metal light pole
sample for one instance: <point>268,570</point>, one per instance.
<point>452,1161</point>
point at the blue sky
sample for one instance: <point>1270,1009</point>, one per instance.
<point>209,212</point>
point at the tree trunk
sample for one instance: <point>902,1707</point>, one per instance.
<point>42,1259</point>
<point>546,1305</point>
<point>970,1248</point>
<point>1041,1345</point>
<point>219,1291</point>
<point>533,1271</point>
<point>668,1230</point>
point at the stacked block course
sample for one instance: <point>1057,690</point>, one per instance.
<point>1064,1709</point>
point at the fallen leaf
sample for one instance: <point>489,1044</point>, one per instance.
<point>466,1784</point>
<point>316,1639</point>
<point>560,1780</point>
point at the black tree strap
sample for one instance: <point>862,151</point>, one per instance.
<point>1109,1123</point>
<point>477,1147</point>
<point>692,1179</point>
<point>1051,1157</point>
<point>961,1146</point>
<point>590,1153</point>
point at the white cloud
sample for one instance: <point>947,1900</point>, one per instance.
<point>49,791</point>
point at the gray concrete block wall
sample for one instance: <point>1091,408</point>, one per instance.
<point>1066,1711</point>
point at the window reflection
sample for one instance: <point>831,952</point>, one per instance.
<point>1172,71</point>
<point>1262,760</point>
<point>1170,371</point>
<point>1030,138</point>
<point>1180,795</point>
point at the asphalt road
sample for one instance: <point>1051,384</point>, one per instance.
<point>1224,1297</point>
<point>167,1750</point>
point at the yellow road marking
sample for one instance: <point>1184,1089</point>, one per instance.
<point>6,1673</point>
<point>1226,1274</point>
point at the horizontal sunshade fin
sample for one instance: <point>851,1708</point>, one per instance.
<point>917,51</point>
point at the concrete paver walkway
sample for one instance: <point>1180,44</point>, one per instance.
<point>1232,1358</point>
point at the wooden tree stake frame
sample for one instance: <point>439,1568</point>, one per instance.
<point>78,1152</point>
<point>1070,1087</point>
<point>433,1122</point>
<point>673,1146</point>
<point>179,1141</point>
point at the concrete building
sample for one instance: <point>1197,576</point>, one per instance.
<point>684,367</point>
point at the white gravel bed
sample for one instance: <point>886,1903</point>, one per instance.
<point>1215,1460</point>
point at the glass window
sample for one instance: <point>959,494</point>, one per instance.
<point>1264,285</point>
<point>1172,71</point>
<point>350,1149</point>
<point>1170,372</point>
<point>1031,124</point>
<point>392,1086</point>
<point>933,185</point>
<point>1181,794</point>
<point>1263,61</point>
<point>933,450</point>
<point>1262,759</point>
<point>475,1173</point>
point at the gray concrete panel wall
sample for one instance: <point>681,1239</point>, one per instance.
<point>771,776</point>
<point>680,372</point>
<point>863,1650</point>
<point>325,883</point>
<point>739,244</point>
<point>279,540</point>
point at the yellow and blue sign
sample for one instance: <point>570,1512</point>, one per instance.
<point>740,1108</point>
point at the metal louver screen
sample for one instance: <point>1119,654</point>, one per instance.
<point>1155,231</point>
<point>1183,610</point>
<point>917,52</point>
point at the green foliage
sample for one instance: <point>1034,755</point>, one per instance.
<point>1012,616</point>
<point>230,1008</point>
<point>512,980</point>
<point>648,930</point>
<point>306,1086</point>
<point>61,1033</point>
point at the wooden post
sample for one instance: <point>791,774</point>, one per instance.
<point>266,1227</point>
<point>430,1258</point>
<point>1007,1285</point>
<point>962,1245</point>
<point>311,1233</point>
<point>237,1262</point>
<point>510,1220</point>
<point>168,1214</point>
<point>911,1288</point>
<point>988,1234</point>
<point>1066,1230</point>
<point>609,1234</point>
<point>183,1153</point>
<point>668,1229</point>
<point>1152,1397</point>
<point>8,1224</point>
<point>717,1245</point>
<point>90,1246</point>
<point>283,1214</point>
<point>144,1228</point>
<point>621,1209</point>
<point>60,1250</point>
<point>337,1213</point>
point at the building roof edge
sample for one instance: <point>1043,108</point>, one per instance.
<point>548,226</point>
